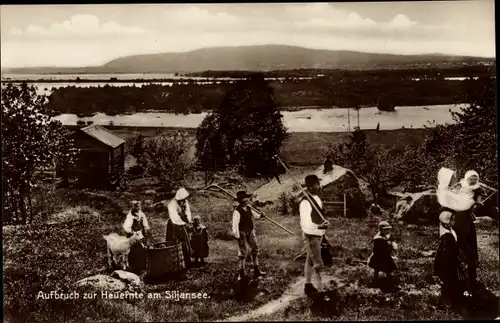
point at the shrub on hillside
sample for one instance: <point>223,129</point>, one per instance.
<point>165,158</point>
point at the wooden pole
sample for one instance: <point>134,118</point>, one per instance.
<point>348,120</point>
<point>345,207</point>
<point>254,209</point>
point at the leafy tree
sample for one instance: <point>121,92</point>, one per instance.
<point>31,141</point>
<point>165,158</point>
<point>369,162</point>
<point>471,143</point>
<point>245,131</point>
<point>476,136</point>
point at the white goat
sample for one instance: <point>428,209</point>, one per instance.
<point>119,246</point>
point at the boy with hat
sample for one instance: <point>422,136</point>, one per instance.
<point>313,228</point>
<point>243,230</point>
<point>381,258</point>
<point>136,221</point>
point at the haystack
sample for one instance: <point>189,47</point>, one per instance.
<point>334,185</point>
<point>419,207</point>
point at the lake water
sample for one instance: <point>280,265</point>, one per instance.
<point>308,120</point>
<point>120,76</point>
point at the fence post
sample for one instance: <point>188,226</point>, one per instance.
<point>345,207</point>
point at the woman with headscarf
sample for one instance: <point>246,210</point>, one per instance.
<point>179,223</point>
<point>460,203</point>
<point>450,263</point>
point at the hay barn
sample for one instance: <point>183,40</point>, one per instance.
<point>101,161</point>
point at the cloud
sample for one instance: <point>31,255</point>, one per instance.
<point>79,25</point>
<point>311,18</point>
<point>199,18</point>
<point>402,21</point>
<point>15,31</point>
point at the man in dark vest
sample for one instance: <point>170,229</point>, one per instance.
<point>243,230</point>
<point>313,228</point>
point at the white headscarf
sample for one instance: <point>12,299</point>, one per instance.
<point>444,218</point>
<point>181,194</point>
<point>464,182</point>
<point>457,201</point>
<point>444,177</point>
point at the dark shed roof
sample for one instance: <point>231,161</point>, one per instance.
<point>103,135</point>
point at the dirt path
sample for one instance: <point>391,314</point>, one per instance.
<point>294,292</point>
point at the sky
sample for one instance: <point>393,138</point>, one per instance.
<point>86,35</point>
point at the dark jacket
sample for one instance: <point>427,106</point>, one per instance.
<point>199,242</point>
<point>381,258</point>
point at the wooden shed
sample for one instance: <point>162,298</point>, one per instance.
<point>101,161</point>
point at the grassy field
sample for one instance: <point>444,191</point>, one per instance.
<point>303,148</point>
<point>47,257</point>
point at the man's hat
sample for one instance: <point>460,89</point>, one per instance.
<point>242,195</point>
<point>135,203</point>
<point>311,180</point>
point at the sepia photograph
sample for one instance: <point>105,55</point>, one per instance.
<point>191,162</point>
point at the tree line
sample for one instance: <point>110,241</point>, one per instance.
<point>321,92</point>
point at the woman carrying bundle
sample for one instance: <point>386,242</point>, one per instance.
<point>460,201</point>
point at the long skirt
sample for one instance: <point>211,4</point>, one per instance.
<point>137,259</point>
<point>467,241</point>
<point>180,233</point>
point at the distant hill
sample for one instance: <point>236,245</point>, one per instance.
<point>257,58</point>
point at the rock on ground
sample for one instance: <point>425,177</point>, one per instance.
<point>128,277</point>
<point>102,282</point>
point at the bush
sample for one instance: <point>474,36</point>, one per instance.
<point>135,171</point>
<point>165,158</point>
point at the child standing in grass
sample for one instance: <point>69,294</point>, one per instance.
<point>381,259</point>
<point>199,241</point>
